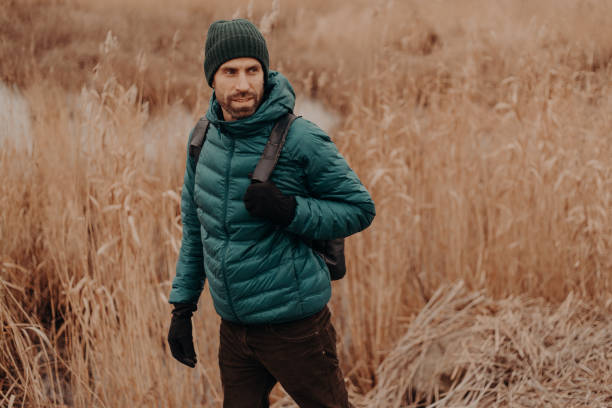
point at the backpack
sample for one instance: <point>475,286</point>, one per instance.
<point>332,251</point>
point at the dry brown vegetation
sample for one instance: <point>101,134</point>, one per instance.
<point>481,128</point>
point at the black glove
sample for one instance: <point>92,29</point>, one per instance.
<point>265,200</point>
<point>179,336</point>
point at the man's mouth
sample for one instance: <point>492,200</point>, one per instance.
<point>242,99</point>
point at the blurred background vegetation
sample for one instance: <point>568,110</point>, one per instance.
<point>482,130</point>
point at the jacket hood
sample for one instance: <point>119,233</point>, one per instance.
<point>279,98</point>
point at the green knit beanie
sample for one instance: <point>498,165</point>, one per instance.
<point>233,39</point>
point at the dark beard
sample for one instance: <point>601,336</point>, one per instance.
<point>239,113</point>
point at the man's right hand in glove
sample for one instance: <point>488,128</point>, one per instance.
<point>180,338</point>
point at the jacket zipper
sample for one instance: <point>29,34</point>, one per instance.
<point>226,229</point>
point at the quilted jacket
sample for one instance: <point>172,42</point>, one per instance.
<point>257,272</point>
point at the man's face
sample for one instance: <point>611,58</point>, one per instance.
<point>239,87</point>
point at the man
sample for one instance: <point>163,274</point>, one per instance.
<point>248,239</point>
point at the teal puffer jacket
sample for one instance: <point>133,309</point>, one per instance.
<point>257,272</point>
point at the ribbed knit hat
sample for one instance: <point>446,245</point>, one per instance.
<point>233,39</point>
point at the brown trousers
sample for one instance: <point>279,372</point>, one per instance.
<point>301,355</point>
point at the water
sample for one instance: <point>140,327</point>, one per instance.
<point>317,113</point>
<point>15,120</point>
<point>160,132</point>
<point>163,132</point>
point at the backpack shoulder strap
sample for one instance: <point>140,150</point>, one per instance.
<point>273,148</point>
<point>198,138</point>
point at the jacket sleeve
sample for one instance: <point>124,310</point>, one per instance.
<point>189,280</point>
<point>338,204</point>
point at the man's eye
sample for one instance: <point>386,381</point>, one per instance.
<point>254,70</point>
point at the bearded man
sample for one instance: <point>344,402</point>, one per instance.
<point>249,240</point>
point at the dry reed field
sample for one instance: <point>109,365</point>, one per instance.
<point>482,129</point>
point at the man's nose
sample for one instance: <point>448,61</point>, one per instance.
<point>242,84</point>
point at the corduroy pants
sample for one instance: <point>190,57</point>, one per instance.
<point>301,355</point>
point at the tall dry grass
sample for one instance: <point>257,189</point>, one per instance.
<point>482,131</point>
